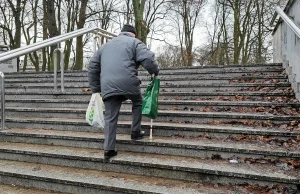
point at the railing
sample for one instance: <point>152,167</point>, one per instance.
<point>40,45</point>
<point>288,21</point>
<point>2,101</point>
<point>52,41</point>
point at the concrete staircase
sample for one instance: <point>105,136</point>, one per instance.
<point>222,129</point>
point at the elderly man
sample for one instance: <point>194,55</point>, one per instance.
<point>113,71</point>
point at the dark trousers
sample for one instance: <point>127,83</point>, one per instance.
<point>112,109</point>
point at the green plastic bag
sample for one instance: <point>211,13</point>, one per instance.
<point>150,103</point>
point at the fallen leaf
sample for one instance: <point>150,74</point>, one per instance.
<point>241,137</point>
<point>175,108</point>
<point>207,109</point>
<point>216,122</point>
<point>86,89</point>
<point>260,109</point>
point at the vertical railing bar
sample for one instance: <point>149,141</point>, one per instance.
<point>95,42</point>
<point>55,68</point>
<point>2,101</point>
<point>62,66</point>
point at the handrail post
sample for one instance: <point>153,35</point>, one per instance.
<point>2,101</point>
<point>61,68</point>
<point>95,42</point>
<point>55,68</point>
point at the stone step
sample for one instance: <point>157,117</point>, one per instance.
<point>14,189</point>
<point>176,146</point>
<point>79,180</point>
<point>79,87</point>
<point>174,84</point>
<point>234,77</point>
<point>163,76</point>
<point>163,115</point>
<point>269,66</point>
<point>154,165</point>
<point>199,96</point>
<point>229,68</point>
<point>167,129</point>
<point>231,106</point>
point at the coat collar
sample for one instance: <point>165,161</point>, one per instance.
<point>126,34</point>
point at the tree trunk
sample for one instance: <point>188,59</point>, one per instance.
<point>79,43</point>
<point>236,28</point>
<point>260,17</point>
<point>52,28</point>
<point>140,24</point>
<point>72,16</point>
<point>45,35</point>
<point>18,27</point>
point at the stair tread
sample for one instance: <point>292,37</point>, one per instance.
<point>93,178</point>
<point>167,85</point>
<point>154,160</point>
<point>187,143</point>
<point>164,101</point>
<point>173,102</point>
<point>13,189</point>
<point>163,77</point>
<point>162,112</point>
<point>161,93</point>
<point>180,126</point>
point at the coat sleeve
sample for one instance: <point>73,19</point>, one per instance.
<point>146,58</point>
<point>94,70</point>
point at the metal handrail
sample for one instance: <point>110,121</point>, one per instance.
<point>288,21</point>
<point>39,43</point>
<point>104,35</point>
<point>2,101</point>
<point>37,46</point>
<point>61,69</point>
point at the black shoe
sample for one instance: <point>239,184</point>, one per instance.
<point>136,135</point>
<point>110,153</point>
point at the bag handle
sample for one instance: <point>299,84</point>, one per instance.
<point>152,77</point>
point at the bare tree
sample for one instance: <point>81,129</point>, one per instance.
<point>79,41</point>
<point>52,28</point>
<point>45,36</point>
<point>169,56</point>
<point>138,8</point>
<point>188,14</point>
<point>11,11</point>
<point>29,21</point>
<point>242,31</point>
<point>71,7</point>
<point>146,13</point>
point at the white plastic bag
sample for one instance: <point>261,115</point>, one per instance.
<point>94,114</point>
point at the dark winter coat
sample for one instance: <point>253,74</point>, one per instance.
<point>113,69</point>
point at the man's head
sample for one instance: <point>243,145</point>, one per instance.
<point>129,28</point>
